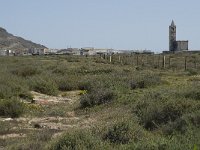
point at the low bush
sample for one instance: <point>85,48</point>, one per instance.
<point>102,61</point>
<point>133,85</point>
<point>194,118</point>
<point>11,86</point>
<point>144,81</point>
<point>85,85</point>
<point>43,135</point>
<point>11,108</point>
<point>119,133</point>
<point>72,59</point>
<point>179,125</point>
<point>95,71</point>
<point>27,144</point>
<point>60,69</point>
<point>96,97</point>
<point>190,140</point>
<point>78,140</point>
<point>26,96</point>
<point>66,84</point>
<point>56,111</point>
<point>192,72</point>
<point>155,110</point>
<point>5,91</point>
<point>192,92</point>
<point>26,71</point>
<point>5,127</point>
<point>155,116</point>
<point>44,85</point>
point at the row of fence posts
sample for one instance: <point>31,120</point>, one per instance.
<point>158,63</point>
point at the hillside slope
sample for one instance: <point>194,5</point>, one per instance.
<point>9,41</point>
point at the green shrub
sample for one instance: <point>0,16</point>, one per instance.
<point>141,84</point>
<point>27,145</point>
<point>26,96</point>
<point>5,91</point>
<point>156,110</point>
<point>192,72</point>
<point>192,92</point>
<point>59,69</point>
<point>84,85</point>
<point>149,144</point>
<point>45,86</point>
<point>102,61</point>
<point>56,111</point>
<point>10,88</point>
<point>184,142</point>
<point>149,80</point>
<point>65,84</point>
<point>194,118</point>
<point>179,125</point>
<point>156,116</point>
<point>5,127</point>
<point>119,133</point>
<point>133,85</point>
<point>43,135</point>
<point>144,81</point>
<point>78,140</point>
<point>26,71</point>
<point>11,108</point>
<point>96,97</point>
<point>72,59</point>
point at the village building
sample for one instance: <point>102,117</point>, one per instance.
<point>175,45</point>
<point>5,52</point>
<point>95,51</point>
<point>37,51</point>
<point>69,51</point>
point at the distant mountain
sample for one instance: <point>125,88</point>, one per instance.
<point>11,42</point>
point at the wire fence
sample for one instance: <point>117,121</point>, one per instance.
<point>168,61</point>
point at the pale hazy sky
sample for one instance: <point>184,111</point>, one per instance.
<point>118,24</point>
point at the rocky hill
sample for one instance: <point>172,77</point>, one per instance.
<point>9,41</point>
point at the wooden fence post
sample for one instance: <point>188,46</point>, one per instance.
<point>146,60</point>
<point>164,61</point>
<point>110,58</point>
<point>104,56</point>
<point>119,58</point>
<point>158,61</point>
<point>122,59</point>
<point>153,61</point>
<point>142,61</point>
<point>185,63</point>
<point>195,63</point>
<point>137,60</point>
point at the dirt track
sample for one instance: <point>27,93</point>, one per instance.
<point>57,123</point>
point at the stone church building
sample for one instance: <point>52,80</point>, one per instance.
<point>175,45</point>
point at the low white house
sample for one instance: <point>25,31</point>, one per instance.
<point>69,51</point>
<point>87,51</point>
<point>37,51</point>
<point>95,51</point>
<point>7,52</point>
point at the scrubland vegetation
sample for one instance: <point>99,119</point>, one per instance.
<point>128,104</point>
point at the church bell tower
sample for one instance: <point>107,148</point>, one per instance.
<point>172,37</point>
